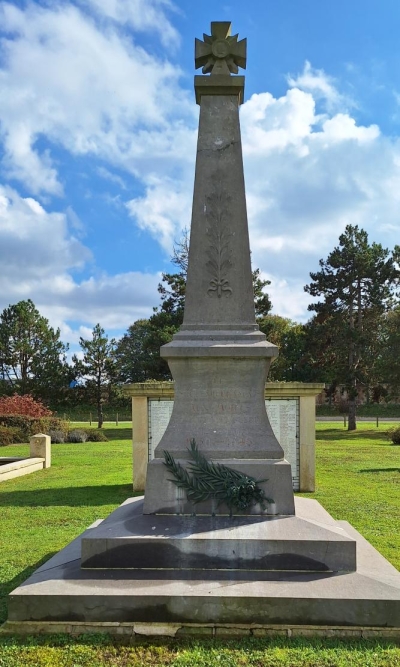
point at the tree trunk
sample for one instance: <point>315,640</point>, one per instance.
<point>352,425</point>
<point>100,417</point>
<point>352,390</point>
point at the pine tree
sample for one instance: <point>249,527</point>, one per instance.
<point>32,356</point>
<point>357,283</point>
<point>97,366</point>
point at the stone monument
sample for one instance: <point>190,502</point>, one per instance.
<point>219,359</point>
<point>194,556</point>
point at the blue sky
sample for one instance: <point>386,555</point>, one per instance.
<point>98,135</point>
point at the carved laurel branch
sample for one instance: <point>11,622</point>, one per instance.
<point>218,252</point>
<point>214,480</point>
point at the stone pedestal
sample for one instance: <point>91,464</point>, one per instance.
<point>164,497</point>
<point>269,543</point>
<point>219,401</point>
<point>146,575</point>
<point>40,446</point>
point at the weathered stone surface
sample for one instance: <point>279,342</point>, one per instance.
<point>230,574</point>
<point>163,496</point>
<point>143,392</point>
<point>40,446</point>
<point>63,592</point>
<point>219,359</point>
<point>220,403</point>
<point>278,543</point>
<point>126,630</point>
<point>16,467</point>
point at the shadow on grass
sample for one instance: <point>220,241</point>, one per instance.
<point>7,586</point>
<point>118,433</point>
<point>380,470</point>
<point>331,434</point>
<point>70,496</point>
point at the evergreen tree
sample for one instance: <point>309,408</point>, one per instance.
<point>97,367</point>
<point>388,356</point>
<point>32,356</point>
<point>357,283</point>
<point>290,338</point>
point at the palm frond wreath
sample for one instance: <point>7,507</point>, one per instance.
<point>214,480</point>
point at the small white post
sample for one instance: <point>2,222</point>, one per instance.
<point>40,447</point>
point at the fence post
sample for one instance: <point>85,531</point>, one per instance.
<point>116,420</point>
<point>344,421</point>
<point>90,419</point>
<point>377,421</point>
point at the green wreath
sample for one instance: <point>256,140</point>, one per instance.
<point>214,480</point>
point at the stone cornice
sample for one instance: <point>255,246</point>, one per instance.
<point>272,389</point>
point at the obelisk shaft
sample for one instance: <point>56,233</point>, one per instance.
<point>219,291</point>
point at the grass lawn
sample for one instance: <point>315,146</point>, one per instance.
<point>357,480</point>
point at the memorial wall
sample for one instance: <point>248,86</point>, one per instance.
<point>283,414</point>
<point>291,411</point>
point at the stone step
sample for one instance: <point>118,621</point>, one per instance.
<point>131,540</point>
<point>60,591</point>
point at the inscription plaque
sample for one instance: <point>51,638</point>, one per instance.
<point>283,414</point>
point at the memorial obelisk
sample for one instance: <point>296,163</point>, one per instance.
<point>219,359</point>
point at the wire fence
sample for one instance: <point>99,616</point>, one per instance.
<point>91,417</point>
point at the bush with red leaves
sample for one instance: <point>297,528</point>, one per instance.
<point>23,405</point>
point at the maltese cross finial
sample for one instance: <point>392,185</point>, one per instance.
<point>220,53</point>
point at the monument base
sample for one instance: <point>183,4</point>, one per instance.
<point>62,596</point>
<point>131,540</point>
<point>164,497</point>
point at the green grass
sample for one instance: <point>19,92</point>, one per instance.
<point>44,511</point>
<point>372,410</point>
<point>357,480</point>
<point>96,651</point>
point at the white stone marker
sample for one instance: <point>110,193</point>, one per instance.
<point>40,447</point>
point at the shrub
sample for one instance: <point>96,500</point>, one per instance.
<point>30,425</point>
<point>394,434</point>
<point>77,435</point>
<point>18,421</point>
<point>10,435</point>
<point>46,424</point>
<point>57,437</point>
<point>95,435</point>
<point>23,405</point>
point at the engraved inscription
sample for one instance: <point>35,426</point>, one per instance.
<point>219,252</point>
<point>282,414</point>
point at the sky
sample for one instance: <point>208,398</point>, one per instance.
<point>98,128</point>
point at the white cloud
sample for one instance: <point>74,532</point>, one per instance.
<point>85,87</point>
<point>34,243</point>
<point>164,209</point>
<point>287,297</point>
<point>307,177</point>
<point>38,251</point>
<point>320,85</point>
<point>77,80</point>
<point>141,15</point>
<point>113,178</point>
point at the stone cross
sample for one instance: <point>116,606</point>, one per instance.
<point>220,53</point>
